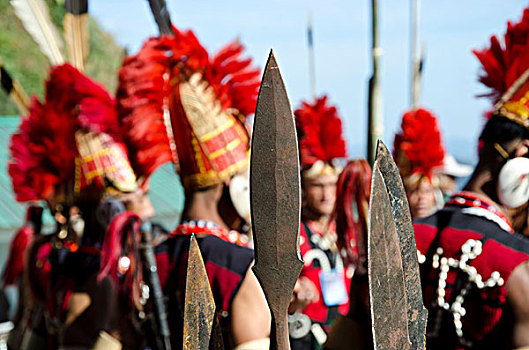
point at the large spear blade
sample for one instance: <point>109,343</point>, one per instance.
<point>275,199</point>
<point>397,311</point>
<point>199,309</point>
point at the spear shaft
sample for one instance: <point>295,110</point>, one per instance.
<point>312,70</point>
<point>415,82</point>
<point>375,118</point>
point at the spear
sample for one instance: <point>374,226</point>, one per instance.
<point>416,60</point>
<point>275,200</point>
<point>397,311</point>
<point>75,25</point>
<point>375,119</point>
<point>161,16</point>
<point>153,281</point>
<point>199,309</point>
<point>15,91</point>
<point>312,70</point>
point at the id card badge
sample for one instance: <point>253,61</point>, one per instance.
<point>333,288</point>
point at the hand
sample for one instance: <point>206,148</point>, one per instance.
<point>305,292</point>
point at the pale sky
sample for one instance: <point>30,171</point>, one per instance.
<point>449,30</point>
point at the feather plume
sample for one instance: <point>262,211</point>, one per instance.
<point>44,149</point>
<point>161,16</point>
<point>418,148</point>
<point>35,17</point>
<point>142,96</point>
<point>319,131</point>
<point>505,60</point>
<point>75,25</point>
<point>146,82</point>
<point>235,79</point>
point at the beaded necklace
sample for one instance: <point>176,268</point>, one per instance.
<point>467,199</point>
<point>205,227</point>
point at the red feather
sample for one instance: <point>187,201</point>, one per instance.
<point>503,64</point>
<point>319,132</point>
<point>418,147</point>
<point>143,91</point>
<point>141,94</point>
<point>43,150</point>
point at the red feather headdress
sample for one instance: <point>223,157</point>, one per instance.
<point>45,151</point>
<point>503,65</point>
<point>320,132</point>
<point>418,148</point>
<point>178,103</point>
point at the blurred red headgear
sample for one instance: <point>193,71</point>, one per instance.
<point>320,134</point>
<point>417,148</point>
<point>178,104</point>
<point>72,140</point>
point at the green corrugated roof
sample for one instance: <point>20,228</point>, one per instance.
<point>166,191</point>
<point>11,212</point>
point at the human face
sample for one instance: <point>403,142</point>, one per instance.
<point>421,197</point>
<point>447,184</point>
<point>320,193</point>
<point>139,202</point>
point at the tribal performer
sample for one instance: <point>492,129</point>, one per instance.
<point>70,153</point>
<point>322,289</point>
<point>474,269</point>
<point>191,108</point>
<point>418,152</point>
<point>351,215</point>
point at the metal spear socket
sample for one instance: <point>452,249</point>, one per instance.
<point>275,200</point>
<point>397,312</point>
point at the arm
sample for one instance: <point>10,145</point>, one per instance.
<point>250,316</point>
<point>518,298</point>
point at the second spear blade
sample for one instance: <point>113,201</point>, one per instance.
<point>199,308</point>
<point>397,310</point>
<point>275,199</point>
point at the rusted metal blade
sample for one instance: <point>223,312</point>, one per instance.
<point>397,310</point>
<point>199,309</point>
<point>275,199</point>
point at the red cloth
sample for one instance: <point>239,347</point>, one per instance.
<point>501,251</point>
<point>226,264</point>
<point>15,265</point>
<point>318,311</point>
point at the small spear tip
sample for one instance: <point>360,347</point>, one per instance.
<point>271,63</point>
<point>381,144</point>
<point>381,149</point>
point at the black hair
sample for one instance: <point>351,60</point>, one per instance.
<point>502,130</point>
